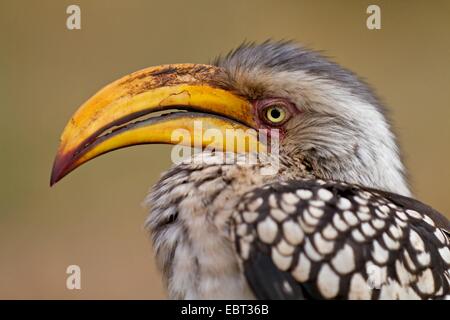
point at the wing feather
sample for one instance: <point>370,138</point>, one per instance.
<point>309,239</point>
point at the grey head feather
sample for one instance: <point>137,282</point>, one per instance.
<point>289,56</point>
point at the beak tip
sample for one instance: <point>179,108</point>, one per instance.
<point>56,174</point>
<point>59,170</point>
<point>53,180</point>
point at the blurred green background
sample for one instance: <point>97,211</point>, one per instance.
<point>93,218</point>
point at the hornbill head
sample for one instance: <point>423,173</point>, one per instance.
<point>328,120</point>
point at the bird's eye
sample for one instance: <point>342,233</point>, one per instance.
<point>275,114</point>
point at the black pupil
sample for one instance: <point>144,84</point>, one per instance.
<point>275,113</point>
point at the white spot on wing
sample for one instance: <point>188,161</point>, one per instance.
<point>322,245</point>
<point>359,289</point>
<point>287,208</point>
<point>282,262</point>
<point>439,235</point>
<point>317,203</point>
<point>414,214</point>
<point>390,243</point>
<point>424,258</point>
<point>304,194</point>
<point>325,194</point>
<point>416,241</point>
<point>403,274</point>
<point>395,231</point>
<point>428,220</point>
<point>292,232</point>
<point>409,261</point>
<point>384,209</point>
<point>255,204</point>
<point>392,205</point>
<point>308,217</point>
<point>304,226</point>
<point>445,254</point>
<point>350,218</point>
<point>278,214</point>
<point>267,230</point>
<point>401,215</point>
<point>273,201</point>
<point>285,248</point>
<point>329,232</point>
<point>360,201</point>
<point>344,204</point>
<point>380,213</point>
<point>339,223</point>
<point>250,217</point>
<point>363,216</point>
<point>365,195</point>
<point>328,282</point>
<point>379,254</point>
<point>311,252</point>
<point>290,198</point>
<point>316,212</point>
<point>344,260</point>
<point>425,282</point>
<point>301,271</point>
<point>367,229</point>
<point>378,223</point>
<point>358,236</point>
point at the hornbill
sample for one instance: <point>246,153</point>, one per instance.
<point>335,220</point>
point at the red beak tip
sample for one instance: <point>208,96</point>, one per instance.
<point>54,178</point>
<point>58,171</point>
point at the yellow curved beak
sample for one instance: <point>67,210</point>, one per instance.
<point>112,118</point>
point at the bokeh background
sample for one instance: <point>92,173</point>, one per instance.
<point>93,218</point>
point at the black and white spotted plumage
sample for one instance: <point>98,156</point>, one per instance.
<point>310,239</point>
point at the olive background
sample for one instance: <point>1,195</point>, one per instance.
<point>94,218</point>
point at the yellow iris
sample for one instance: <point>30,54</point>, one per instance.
<point>275,114</point>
